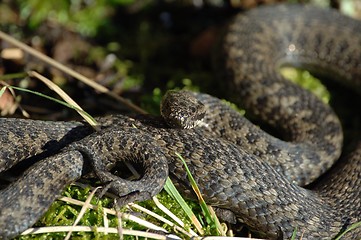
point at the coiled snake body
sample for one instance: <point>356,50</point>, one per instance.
<point>236,165</point>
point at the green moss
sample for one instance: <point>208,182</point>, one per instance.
<point>306,80</point>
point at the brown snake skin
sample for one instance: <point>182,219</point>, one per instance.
<point>244,173</point>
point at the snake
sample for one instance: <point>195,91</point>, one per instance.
<point>262,179</point>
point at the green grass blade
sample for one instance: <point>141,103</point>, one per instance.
<point>172,191</point>
<point>352,227</point>
<point>3,89</point>
<point>294,234</point>
<point>47,97</point>
<point>13,75</point>
<point>211,219</point>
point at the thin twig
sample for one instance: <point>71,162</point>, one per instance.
<point>91,229</point>
<point>125,216</point>
<point>69,71</point>
<point>81,213</point>
<point>65,97</point>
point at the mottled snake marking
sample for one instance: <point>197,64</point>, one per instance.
<point>237,165</point>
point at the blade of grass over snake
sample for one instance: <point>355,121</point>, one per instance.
<point>294,235</point>
<point>352,227</point>
<point>172,191</point>
<point>210,218</point>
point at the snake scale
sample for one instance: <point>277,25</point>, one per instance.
<point>237,166</point>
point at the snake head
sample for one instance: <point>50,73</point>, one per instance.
<point>181,109</point>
